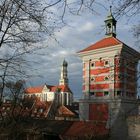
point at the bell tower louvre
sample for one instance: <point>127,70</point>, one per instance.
<point>110,24</point>
<point>109,77</point>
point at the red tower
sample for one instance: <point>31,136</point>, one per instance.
<point>109,76</point>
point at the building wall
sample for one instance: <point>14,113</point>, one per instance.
<point>98,112</point>
<point>109,71</point>
<point>83,110</point>
<point>133,127</point>
<point>63,98</point>
<point>98,73</point>
<point>46,96</point>
<point>112,111</point>
<point>109,88</point>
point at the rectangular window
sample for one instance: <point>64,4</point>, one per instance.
<point>92,93</point>
<point>106,93</point>
<point>118,93</point>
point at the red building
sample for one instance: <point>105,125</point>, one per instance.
<point>109,68</point>
<point>109,77</point>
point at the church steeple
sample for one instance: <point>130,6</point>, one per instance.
<point>64,77</point>
<point>110,25</point>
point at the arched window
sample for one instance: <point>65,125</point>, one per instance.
<point>60,99</point>
<point>65,99</point>
<point>69,98</point>
<point>109,28</point>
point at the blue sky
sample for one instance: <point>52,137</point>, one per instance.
<point>80,32</point>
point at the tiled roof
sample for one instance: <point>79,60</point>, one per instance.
<point>73,108</point>
<point>105,42</point>
<point>38,109</point>
<point>62,88</point>
<point>65,112</point>
<point>37,89</point>
<point>82,129</point>
<point>54,127</point>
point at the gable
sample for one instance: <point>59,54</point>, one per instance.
<point>46,88</point>
<point>65,112</point>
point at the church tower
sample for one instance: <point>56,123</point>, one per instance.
<point>64,76</point>
<point>109,78</point>
<point>65,96</point>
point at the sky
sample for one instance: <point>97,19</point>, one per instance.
<point>80,32</point>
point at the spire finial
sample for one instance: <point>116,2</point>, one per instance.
<point>110,9</point>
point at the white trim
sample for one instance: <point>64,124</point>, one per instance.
<point>100,50</point>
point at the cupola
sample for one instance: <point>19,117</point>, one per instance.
<point>110,25</point>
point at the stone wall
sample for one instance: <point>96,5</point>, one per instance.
<point>119,110</point>
<point>133,127</point>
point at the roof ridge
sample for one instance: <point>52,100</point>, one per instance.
<point>35,86</point>
<point>33,89</point>
<point>67,109</point>
<point>118,40</point>
<point>49,85</point>
<point>103,43</point>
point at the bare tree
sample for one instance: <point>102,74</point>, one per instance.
<point>25,23</point>
<point>131,10</point>
<point>18,20</point>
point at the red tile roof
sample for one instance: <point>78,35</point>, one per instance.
<point>105,42</point>
<point>62,88</point>
<point>37,89</point>
<point>37,110</point>
<point>83,129</point>
<point>64,112</point>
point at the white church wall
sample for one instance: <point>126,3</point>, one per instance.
<point>50,96</point>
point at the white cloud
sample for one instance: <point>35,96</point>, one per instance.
<point>88,26</point>
<point>81,33</point>
<point>62,33</point>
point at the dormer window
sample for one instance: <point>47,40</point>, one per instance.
<point>41,110</point>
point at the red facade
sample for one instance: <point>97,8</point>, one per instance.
<point>98,112</point>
